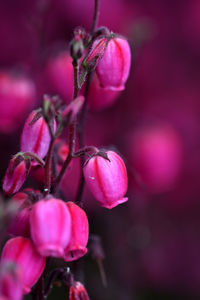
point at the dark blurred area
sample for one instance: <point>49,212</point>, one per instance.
<point>152,242</point>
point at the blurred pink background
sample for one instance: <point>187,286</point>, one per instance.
<point>152,242</point>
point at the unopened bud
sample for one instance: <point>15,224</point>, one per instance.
<point>95,54</point>
<point>15,176</point>
<point>113,70</point>
<point>77,291</point>
<point>77,44</point>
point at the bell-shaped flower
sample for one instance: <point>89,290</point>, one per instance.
<point>50,222</point>
<point>107,179</point>
<point>19,224</point>
<point>22,252</point>
<point>79,233</point>
<point>114,67</point>
<point>35,135</point>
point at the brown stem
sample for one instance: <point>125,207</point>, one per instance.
<point>95,16</point>
<point>62,171</point>
<point>83,112</point>
<point>76,79</point>
<point>82,140</point>
<point>72,129</point>
<point>47,169</point>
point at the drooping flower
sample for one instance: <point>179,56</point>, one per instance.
<point>107,179</point>
<point>35,135</point>
<point>22,252</point>
<point>15,176</point>
<point>50,222</point>
<point>114,67</point>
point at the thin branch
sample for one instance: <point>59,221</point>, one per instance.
<point>95,16</point>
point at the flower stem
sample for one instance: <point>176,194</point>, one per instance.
<point>47,169</point>
<point>35,157</point>
<point>83,112</point>
<point>72,129</point>
<point>95,16</point>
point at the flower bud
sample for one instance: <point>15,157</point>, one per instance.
<point>15,176</point>
<point>113,69</point>
<point>20,223</point>
<point>77,44</point>
<point>10,282</point>
<point>107,179</point>
<point>95,54</point>
<point>21,251</point>
<point>79,233</point>
<point>35,135</point>
<point>77,291</point>
<point>50,222</point>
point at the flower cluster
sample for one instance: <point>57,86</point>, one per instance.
<point>46,224</point>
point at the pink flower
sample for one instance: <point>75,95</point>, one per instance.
<point>10,282</point>
<point>107,179</point>
<point>50,222</point>
<point>77,291</point>
<point>100,98</point>
<point>20,223</point>
<point>113,69</point>
<point>35,135</point>
<point>17,96</point>
<point>21,251</point>
<point>58,76</point>
<point>156,155</point>
<point>79,233</point>
<point>15,176</point>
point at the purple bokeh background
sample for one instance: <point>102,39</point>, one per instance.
<point>152,243</point>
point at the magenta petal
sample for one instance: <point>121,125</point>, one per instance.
<point>14,178</point>
<point>35,136</point>
<point>111,205</point>
<point>107,179</point>
<point>79,233</point>
<point>50,222</point>
<point>22,252</point>
<point>113,69</point>
<point>75,253</point>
